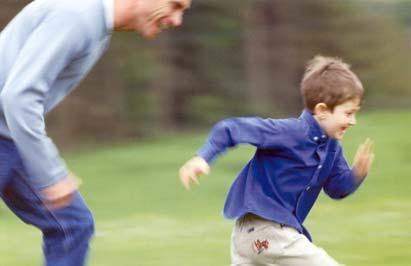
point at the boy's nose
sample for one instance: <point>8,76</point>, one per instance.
<point>353,121</point>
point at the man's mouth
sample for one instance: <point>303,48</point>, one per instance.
<point>162,24</point>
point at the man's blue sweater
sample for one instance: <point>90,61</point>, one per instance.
<point>45,51</point>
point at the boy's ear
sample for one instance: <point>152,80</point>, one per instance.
<point>321,110</point>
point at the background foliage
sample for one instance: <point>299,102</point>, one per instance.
<point>233,58</point>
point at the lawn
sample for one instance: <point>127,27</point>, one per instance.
<point>144,216</point>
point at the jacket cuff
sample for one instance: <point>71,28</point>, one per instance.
<point>208,152</point>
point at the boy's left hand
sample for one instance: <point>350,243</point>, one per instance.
<point>192,169</point>
<point>363,159</point>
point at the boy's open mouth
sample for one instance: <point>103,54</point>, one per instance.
<point>344,129</point>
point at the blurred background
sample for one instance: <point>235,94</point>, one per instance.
<point>147,106</point>
<point>233,58</point>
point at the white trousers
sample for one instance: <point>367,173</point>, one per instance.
<point>258,242</point>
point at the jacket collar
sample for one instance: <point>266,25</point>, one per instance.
<point>316,133</point>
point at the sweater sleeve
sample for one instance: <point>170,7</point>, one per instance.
<point>230,132</point>
<point>57,40</point>
<point>342,181</point>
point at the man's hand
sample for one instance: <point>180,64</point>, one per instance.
<point>363,159</point>
<point>60,194</point>
<point>192,169</point>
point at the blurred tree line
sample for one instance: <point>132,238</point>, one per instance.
<point>233,58</point>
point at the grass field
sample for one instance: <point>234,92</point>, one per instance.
<point>144,217</point>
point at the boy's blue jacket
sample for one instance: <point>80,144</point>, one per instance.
<point>294,160</point>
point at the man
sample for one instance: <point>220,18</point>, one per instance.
<point>45,51</point>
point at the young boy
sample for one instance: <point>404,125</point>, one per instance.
<point>294,160</point>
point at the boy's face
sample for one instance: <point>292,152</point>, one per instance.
<point>156,15</point>
<point>335,123</point>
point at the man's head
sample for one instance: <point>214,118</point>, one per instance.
<point>333,93</point>
<point>148,17</point>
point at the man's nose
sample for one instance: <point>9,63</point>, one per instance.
<point>177,19</point>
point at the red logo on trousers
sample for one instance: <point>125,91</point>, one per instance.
<point>260,246</point>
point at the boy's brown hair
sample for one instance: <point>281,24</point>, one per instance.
<point>329,80</point>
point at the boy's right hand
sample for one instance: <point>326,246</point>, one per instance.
<point>192,169</point>
<point>363,159</point>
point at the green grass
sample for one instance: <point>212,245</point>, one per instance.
<point>144,217</point>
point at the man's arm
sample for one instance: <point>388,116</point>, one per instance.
<point>57,40</point>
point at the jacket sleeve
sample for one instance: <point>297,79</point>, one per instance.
<point>57,40</point>
<point>230,132</point>
<point>342,180</point>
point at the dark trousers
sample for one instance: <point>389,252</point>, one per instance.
<point>66,232</point>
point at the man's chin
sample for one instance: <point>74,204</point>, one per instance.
<point>150,34</point>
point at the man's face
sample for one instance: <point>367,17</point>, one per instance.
<point>153,16</point>
<point>335,123</point>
